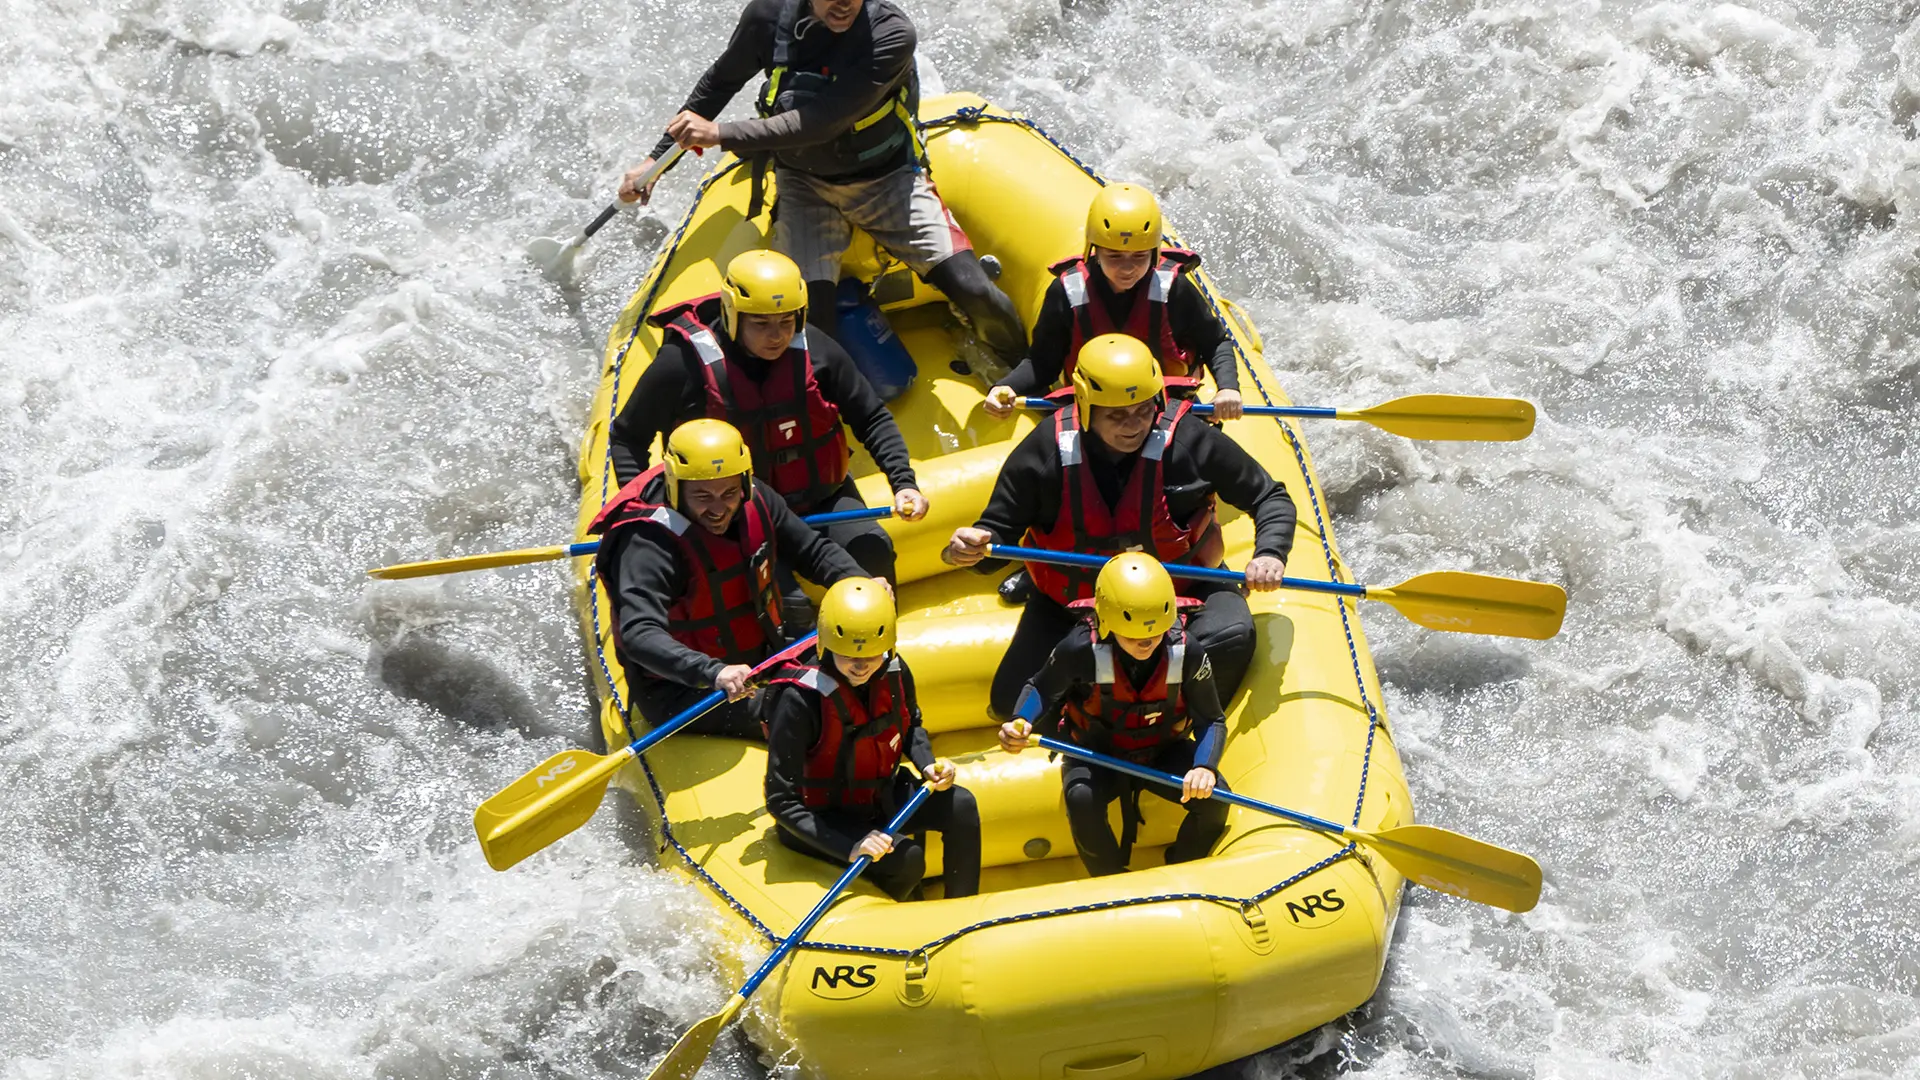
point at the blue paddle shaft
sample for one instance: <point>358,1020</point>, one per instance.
<point>693,712</point>
<point>854,870</point>
<point>1172,781</point>
<point>871,513</point>
<point>1204,573</point>
<point>1308,411</point>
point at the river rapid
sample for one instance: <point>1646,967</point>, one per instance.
<point>267,323</point>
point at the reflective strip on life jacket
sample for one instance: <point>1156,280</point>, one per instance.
<point>1146,318</point>
<point>853,761</point>
<point>730,608</point>
<point>798,444</point>
<point>1139,522</point>
<point>1132,722</point>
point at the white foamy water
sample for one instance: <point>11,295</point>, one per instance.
<point>267,323</point>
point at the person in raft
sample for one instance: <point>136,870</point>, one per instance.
<point>688,551</point>
<point>1130,684</point>
<point>837,729</point>
<point>1125,282</point>
<point>744,355</point>
<point>1124,469</point>
<point>837,118</point>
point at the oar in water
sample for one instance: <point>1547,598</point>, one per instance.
<point>687,1055</point>
<point>554,256</point>
<point>565,551</point>
<point>1444,600</point>
<point>1420,416</point>
<point>564,791</point>
<point>1440,859</point>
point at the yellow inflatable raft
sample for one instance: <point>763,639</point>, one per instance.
<point>1046,974</point>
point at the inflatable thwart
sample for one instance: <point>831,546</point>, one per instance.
<point>1047,974</point>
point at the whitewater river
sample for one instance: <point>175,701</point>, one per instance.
<point>265,322</point>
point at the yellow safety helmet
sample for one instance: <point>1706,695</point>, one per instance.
<point>762,283</point>
<point>1125,217</point>
<point>1114,369</point>
<point>706,450</point>
<point>857,619</point>
<point>1133,597</point>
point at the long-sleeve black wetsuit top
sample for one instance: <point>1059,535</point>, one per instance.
<point>672,391</point>
<point>793,727</point>
<point>1202,460</point>
<point>1068,675</point>
<point>1195,327</point>
<point>869,62</point>
<point>653,576</point>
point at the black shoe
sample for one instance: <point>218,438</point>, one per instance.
<point>1017,588</point>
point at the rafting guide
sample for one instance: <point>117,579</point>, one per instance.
<point>837,123</point>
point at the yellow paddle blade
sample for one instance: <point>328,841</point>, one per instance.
<point>1458,865</point>
<point>1478,604</point>
<point>1450,416</point>
<point>471,562</point>
<point>691,1051</point>
<point>544,805</point>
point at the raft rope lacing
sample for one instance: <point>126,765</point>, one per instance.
<point>975,115</point>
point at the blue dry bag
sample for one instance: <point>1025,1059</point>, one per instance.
<point>863,330</point>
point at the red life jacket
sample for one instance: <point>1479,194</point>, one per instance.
<point>731,607</point>
<point>1131,721</point>
<point>1147,320</point>
<point>1141,521</point>
<point>863,734</point>
<point>793,431</point>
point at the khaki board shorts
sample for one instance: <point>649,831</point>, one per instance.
<point>814,222</point>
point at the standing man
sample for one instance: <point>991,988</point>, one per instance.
<point>1125,282</point>
<point>687,553</point>
<point>837,116</point>
<point>838,731</point>
<point>743,355</point>
<point>1130,684</point>
<point>1122,469</point>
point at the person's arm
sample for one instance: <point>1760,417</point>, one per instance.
<point>1047,355</point>
<point>920,744</point>
<point>845,100</point>
<point>1201,333</point>
<point>806,549</point>
<point>1242,482</point>
<point>792,726</point>
<point>650,577</point>
<point>748,53</point>
<point>655,407</point>
<point>862,409</point>
<point>1027,493</point>
<point>1070,665</point>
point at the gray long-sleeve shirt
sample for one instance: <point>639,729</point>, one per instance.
<point>869,63</point>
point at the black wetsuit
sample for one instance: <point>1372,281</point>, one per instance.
<point>1068,676</point>
<point>672,391</point>
<point>666,676</point>
<point>793,726</point>
<point>1200,461</point>
<point>1195,327</point>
